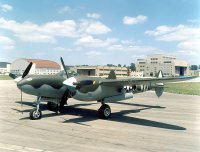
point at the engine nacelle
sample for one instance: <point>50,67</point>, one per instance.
<point>140,88</point>
<point>119,97</point>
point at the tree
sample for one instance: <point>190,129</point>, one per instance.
<point>199,66</point>
<point>132,67</point>
<point>193,67</point>
<point>111,65</point>
<point>119,65</point>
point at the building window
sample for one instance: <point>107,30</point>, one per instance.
<point>167,62</point>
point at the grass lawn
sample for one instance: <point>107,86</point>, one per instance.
<point>5,77</point>
<point>191,88</point>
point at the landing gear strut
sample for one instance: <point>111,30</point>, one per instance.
<point>52,106</point>
<point>57,106</point>
<point>36,113</point>
<point>104,111</point>
<point>62,103</point>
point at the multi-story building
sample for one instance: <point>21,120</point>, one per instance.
<point>101,71</point>
<point>4,68</point>
<point>39,67</point>
<point>135,74</point>
<point>169,65</point>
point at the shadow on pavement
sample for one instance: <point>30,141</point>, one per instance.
<point>86,115</point>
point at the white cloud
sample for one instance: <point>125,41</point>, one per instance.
<point>187,39</point>
<point>93,15</point>
<point>6,7</point>
<point>134,20</point>
<point>6,43</point>
<point>62,49</point>
<point>36,37</point>
<point>113,44</point>
<point>194,21</point>
<point>44,33</point>
<point>176,33</point>
<point>89,41</point>
<point>190,46</point>
<point>47,32</point>
<point>97,28</point>
<point>65,9</point>
<point>130,45</point>
<point>92,27</point>
<point>60,28</point>
<point>94,54</point>
<point>134,48</point>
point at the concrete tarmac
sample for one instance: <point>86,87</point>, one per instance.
<point>144,123</point>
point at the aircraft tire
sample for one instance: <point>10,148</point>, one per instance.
<point>52,106</point>
<point>34,115</point>
<point>104,111</point>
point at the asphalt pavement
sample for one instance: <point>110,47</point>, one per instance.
<point>144,123</point>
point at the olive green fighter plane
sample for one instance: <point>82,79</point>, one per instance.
<point>56,89</point>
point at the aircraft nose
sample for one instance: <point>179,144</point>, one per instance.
<point>23,82</point>
<point>20,84</point>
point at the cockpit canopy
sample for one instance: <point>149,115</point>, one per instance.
<point>71,73</point>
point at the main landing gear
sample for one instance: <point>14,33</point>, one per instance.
<point>104,111</point>
<point>57,107</point>
<point>52,106</point>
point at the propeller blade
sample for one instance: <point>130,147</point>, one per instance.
<point>27,70</point>
<point>64,67</point>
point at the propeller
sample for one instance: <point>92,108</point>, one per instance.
<point>27,70</point>
<point>64,67</point>
<point>18,79</point>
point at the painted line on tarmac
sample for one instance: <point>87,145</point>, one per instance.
<point>20,148</point>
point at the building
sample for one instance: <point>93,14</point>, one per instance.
<point>39,67</point>
<point>169,65</point>
<point>194,73</point>
<point>4,68</point>
<point>197,73</point>
<point>101,71</point>
<point>136,74</point>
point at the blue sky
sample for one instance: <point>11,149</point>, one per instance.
<point>99,32</point>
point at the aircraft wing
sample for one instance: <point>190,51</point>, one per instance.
<point>139,81</point>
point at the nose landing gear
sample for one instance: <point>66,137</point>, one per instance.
<point>36,113</point>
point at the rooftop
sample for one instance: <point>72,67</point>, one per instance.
<point>44,63</point>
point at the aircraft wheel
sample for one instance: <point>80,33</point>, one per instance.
<point>52,106</point>
<point>104,111</point>
<point>35,114</point>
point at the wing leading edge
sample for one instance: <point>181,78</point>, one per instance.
<point>145,81</point>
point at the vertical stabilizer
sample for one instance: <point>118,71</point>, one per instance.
<point>159,74</point>
<point>112,75</point>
